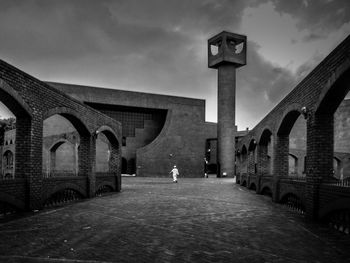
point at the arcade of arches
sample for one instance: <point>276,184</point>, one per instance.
<point>300,152</point>
<point>60,149</point>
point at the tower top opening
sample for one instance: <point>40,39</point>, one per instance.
<point>227,47</point>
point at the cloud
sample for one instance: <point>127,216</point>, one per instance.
<point>159,46</point>
<point>263,82</point>
<point>312,37</point>
<point>308,66</point>
<point>154,46</point>
<point>320,16</point>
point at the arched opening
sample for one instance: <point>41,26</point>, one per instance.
<point>266,191</point>
<point>341,148</point>
<point>63,159</point>
<point>265,152</point>
<point>7,135</point>
<point>62,197</point>
<point>60,147</point>
<point>252,187</point>
<point>15,125</point>
<point>291,144</point>
<point>331,125</point>
<point>108,152</point>
<point>8,164</point>
<point>103,153</point>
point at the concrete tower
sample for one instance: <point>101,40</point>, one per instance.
<point>226,52</point>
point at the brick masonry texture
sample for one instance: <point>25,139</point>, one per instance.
<point>33,101</point>
<point>320,94</point>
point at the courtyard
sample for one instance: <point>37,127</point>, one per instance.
<point>155,220</point>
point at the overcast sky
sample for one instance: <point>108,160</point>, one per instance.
<point>160,46</point>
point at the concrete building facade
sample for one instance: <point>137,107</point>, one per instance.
<point>158,131</point>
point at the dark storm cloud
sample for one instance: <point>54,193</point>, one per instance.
<point>152,46</point>
<point>35,29</point>
<point>264,78</point>
<point>75,28</point>
<point>263,81</point>
<point>320,16</point>
<point>159,44</point>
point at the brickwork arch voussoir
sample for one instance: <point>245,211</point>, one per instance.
<point>13,100</point>
<point>78,120</point>
<point>281,121</point>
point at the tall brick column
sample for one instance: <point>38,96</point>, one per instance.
<point>319,162</point>
<point>245,163</point>
<point>280,162</point>
<point>251,162</point>
<point>28,162</point>
<point>262,164</point>
<point>87,161</point>
<point>115,164</point>
<point>231,54</point>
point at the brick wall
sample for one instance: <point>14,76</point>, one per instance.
<point>33,101</point>
<point>319,94</point>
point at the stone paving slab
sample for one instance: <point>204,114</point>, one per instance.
<point>155,220</point>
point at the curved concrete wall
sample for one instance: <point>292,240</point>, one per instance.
<point>182,139</point>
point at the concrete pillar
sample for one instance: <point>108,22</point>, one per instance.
<point>226,52</point>
<point>226,118</point>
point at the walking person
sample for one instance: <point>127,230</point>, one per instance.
<point>175,173</point>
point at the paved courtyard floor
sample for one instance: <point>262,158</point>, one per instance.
<point>155,220</point>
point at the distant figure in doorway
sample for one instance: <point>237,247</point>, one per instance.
<point>175,173</point>
<point>206,168</point>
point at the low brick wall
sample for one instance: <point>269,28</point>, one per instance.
<point>13,192</point>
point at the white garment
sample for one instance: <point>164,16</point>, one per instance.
<point>175,172</point>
